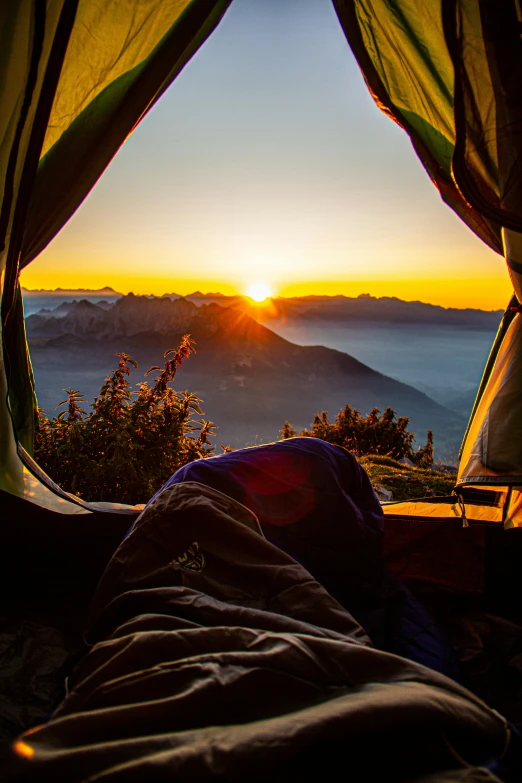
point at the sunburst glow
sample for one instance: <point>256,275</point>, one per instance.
<point>259,292</point>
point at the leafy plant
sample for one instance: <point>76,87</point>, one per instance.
<point>374,434</point>
<point>131,441</point>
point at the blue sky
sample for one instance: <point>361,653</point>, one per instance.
<point>267,161</point>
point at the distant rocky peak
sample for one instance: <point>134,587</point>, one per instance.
<point>84,306</point>
<point>64,307</point>
<point>155,305</point>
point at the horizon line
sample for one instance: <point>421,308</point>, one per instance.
<point>199,293</point>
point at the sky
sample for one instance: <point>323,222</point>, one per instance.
<point>268,162</point>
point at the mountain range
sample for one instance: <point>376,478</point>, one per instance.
<point>105,291</point>
<point>251,379</point>
<point>364,308</point>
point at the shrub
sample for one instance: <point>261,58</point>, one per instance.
<point>131,441</point>
<point>377,434</point>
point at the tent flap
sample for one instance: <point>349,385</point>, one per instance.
<point>139,51</point>
<point>402,52</point>
<point>450,73</point>
<point>75,79</point>
<point>486,49</point>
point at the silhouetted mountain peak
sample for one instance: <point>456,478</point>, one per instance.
<point>84,306</point>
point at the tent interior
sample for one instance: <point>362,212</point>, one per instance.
<point>450,74</point>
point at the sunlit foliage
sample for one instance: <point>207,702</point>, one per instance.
<point>131,441</point>
<point>372,434</point>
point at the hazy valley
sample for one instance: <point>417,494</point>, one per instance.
<point>251,378</point>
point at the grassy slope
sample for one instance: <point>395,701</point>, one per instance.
<point>407,482</point>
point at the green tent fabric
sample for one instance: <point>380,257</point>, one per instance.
<point>32,45</point>
<point>401,49</point>
<point>484,42</point>
<point>76,77</point>
<point>450,73</point>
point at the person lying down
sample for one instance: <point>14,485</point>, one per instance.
<point>243,629</point>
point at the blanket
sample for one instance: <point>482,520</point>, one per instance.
<point>217,656</point>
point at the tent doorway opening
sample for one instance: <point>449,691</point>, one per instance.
<point>59,137</point>
<point>249,167</point>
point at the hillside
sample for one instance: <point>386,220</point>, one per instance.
<point>251,379</point>
<point>394,480</point>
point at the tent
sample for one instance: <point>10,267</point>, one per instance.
<point>77,76</point>
<point>444,72</point>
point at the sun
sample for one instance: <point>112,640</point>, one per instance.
<point>259,292</point>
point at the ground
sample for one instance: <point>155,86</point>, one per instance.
<point>406,481</point>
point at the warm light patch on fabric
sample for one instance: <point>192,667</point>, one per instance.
<point>23,750</point>
<point>277,487</point>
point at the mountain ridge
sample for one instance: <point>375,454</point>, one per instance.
<point>107,289</point>
<point>343,309</point>
<point>309,306</point>
<point>252,378</point>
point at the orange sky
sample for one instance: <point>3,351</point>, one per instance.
<point>276,170</point>
<point>486,294</point>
